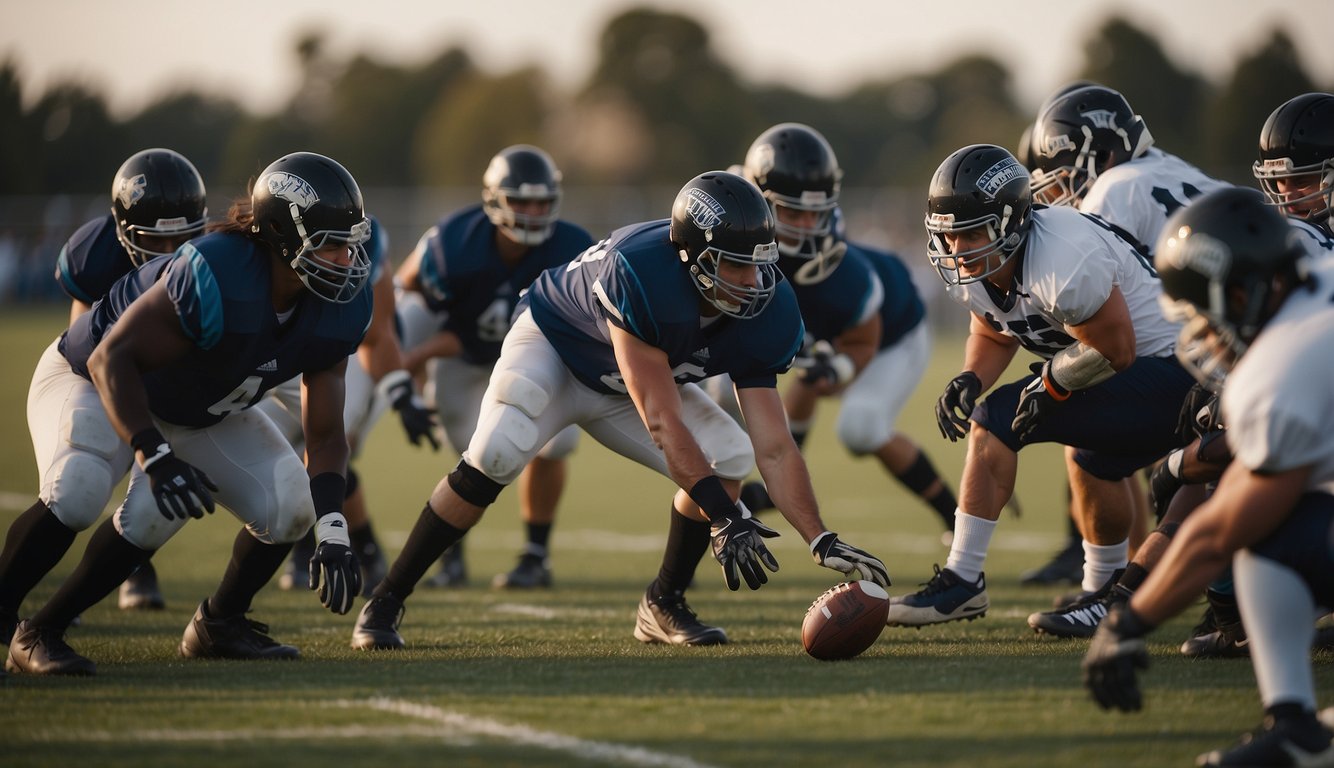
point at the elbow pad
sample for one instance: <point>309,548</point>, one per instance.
<point>1080,366</point>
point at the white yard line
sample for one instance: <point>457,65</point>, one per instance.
<point>322,733</point>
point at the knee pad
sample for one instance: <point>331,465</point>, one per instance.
<point>503,443</point>
<point>562,445</point>
<point>472,486</point>
<point>515,389</point>
<point>734,457</point>
<point>862,430</point>
<point>79,486</point>
<point>293,511</point>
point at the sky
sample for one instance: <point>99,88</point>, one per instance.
<point>137,50</point>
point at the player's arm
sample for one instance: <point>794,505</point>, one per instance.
<point>1109,332</point>
<point>77,308</point>
<point>147,337</point>
<point>322,395</point>
<point>384,360</point>
<point>987,352</point>
<point>333,568</point>
<point>832,367</point>
<point>408,276</point>
<point>440,344</point>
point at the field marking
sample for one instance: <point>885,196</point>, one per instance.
<point>322,733</point>
<point>523,735</point>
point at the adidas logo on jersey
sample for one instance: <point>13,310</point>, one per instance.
<point>701,355</point>
<point>270,366</point>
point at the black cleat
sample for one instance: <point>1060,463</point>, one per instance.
<point>1294,741</point>
<point>377,625</point>
<point>43,651</point>
<point>1066,566</point>
<point>669,619</point>
<point>453,571</point>
<point>532,571</point>
<point>756,497</point>
<point>140,592</point>
<point>232,637</point>
<point>1081,617</point>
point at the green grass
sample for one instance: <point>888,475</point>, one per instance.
<point>555,678</point>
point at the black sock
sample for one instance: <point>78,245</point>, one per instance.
<point>538,536</point>
<point>108,560</point>
<point>430,537</point>
<point>920,476</point>
<point>35,543</point>
<point>253,563</point>
<point>364,543</point>
<point>687,541</point>
<point>1133,577</point>
<point>1289,710</point>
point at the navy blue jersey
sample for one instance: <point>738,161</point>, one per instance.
<point>635,280</point>
<point>92,260</point>
<point>461,273</point>
<point>220,286</point>
<point>377,251</point>
<point>902,310</point>
<point>843,300</point>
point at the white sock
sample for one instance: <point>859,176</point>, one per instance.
<point>1276,609</point>
<point>1101,561</point>
<point>968,551</point>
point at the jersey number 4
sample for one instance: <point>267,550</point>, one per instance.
<point>238,399</point>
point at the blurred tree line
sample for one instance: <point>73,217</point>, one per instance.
<point>660,106</point>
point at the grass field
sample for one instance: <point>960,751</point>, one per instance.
<point>555,677</point>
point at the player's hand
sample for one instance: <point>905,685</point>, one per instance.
<point>1036,399</point>
<point>418,420</point>
<point>1199,413</point>
<point>1163,485</point>
<point>848,560</point>
<point>957,404</point>
<point>1114,656</point>
<point>825,366</point>
<point>738,544</point>
<point>180,489</point>
<point>334,569</point>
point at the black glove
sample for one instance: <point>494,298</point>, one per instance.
<point>1036,399</point>
<point>738,543</point>
<point>334,570</point>
<point>848,560</point>
<point>180,489</point>
<point>1114,655</point>
<point>1199,413</point>
<point>1163,485</point>
<point>957,404</point>
<point>418,420</point>
<point>824,364</point>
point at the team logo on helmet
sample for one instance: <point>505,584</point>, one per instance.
<point>703,210</point>
<point>131,190</point>
<point>1100,118</point>
<point>1199,253</point>
<point>293,189</point>
<point>997,176</point>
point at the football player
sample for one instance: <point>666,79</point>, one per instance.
<point>460,286</point>
<point>1094,153</point>
<point>1070,289</point>
<point>175,374</point>
<point>1296,164</point>
<point>157,203</point>
<point>614,342</point>
<point>866,341</point>
<point>1238,274</point>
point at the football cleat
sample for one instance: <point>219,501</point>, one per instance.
<point>1081,617</point>
<point>453,571</point>
<point>1294,741</point>
<point>1215,639</point>
<point>669,619</point>
<point>532,571</point>
<point>377,625</point>
<point>231,637</point>
<point>43,651</point>
<point>140,592</point>
<point>1066,566</point>
<point>946,597</point>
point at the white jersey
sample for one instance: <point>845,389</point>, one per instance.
<point>1278,402</point>
<point>1070,264</point>
<point>1318,243</point>
<point>1139,195</point>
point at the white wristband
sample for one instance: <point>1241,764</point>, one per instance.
<point>391,380</point>
<point>1174,461</point>
<point>332,529</point>
<point>843,367</point>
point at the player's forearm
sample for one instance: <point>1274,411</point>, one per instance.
<point>789,485</point>
<point>120,385</point>
<point>987,357</point>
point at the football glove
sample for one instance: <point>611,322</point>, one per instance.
<point>180,489</point>
<point>1199,413</point>
<point>956,405</point>
<point>1163,484</point>
<point>334,570</point>
<point>847,559</point>
<point>824,364</point>
<point>418,420</point>
<point>1037,397</point>
<point>1114,655</point>
<point>738,544</point>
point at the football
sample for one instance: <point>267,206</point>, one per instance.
<point>845,620</point>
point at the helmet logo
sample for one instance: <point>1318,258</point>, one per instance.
<point>704,211</point>
<point>997,176</point>
<point>1199,253</point>
<point>1100,118</point>
<point>293,189</point>
<point>129,191</point>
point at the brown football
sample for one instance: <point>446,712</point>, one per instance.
<point>845,620</point>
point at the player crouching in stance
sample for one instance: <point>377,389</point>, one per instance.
<point>1238,273</point>
<point>178,352</point>
<point>614,342</point>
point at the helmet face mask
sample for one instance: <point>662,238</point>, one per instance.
<point>979,190</point>
<point>526,177</point>
<point>724,231</point>
<point>796,169</point>
<point>308,209</point>
<point>1080,134</point>
<point>157,201</point>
